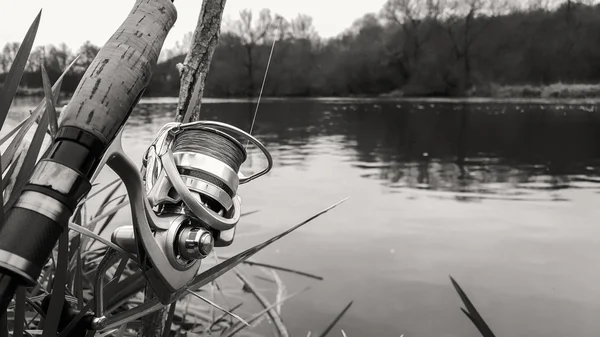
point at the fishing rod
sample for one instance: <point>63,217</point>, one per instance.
<point>101,104</point>
<point>184,200</point>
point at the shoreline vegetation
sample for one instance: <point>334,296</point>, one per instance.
<point>452,49</point>
<point>553,92</point>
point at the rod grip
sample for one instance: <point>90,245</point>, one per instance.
<point>26,240</point>
<point>116,78</point>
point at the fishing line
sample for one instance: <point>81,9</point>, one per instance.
<point>262,87</point>
<point>212,144</point>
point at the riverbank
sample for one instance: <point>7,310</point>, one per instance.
<point>497,91</point>
<point>28,92</point>
<point>548,93</point>
<point>557,90</point>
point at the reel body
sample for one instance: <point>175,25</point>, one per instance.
<point>188,186</point>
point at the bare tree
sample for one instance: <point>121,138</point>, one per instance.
<point>57,58</point>
<point>87,52</point>
<point>412,18</point>
<point>539,5</point>
<point>181,47</point>
<point>464,31</point>
<point>252,33</point>
<point>36,59</point>
<point>9,52</point>
<point>302,27</point>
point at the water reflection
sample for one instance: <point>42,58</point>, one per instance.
<point>475,150</point>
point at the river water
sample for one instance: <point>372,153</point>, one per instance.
<point>501,196</point>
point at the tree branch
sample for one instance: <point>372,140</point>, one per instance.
<point>195,68</point>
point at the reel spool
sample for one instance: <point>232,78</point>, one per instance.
<point>207,161</point>
<point>191,176</point>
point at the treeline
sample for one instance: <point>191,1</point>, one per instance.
<point>55,59</point>
<point>410,48</point>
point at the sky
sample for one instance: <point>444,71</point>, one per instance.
<point>75,21</point>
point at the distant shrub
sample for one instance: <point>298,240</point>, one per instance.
<point>557,90</point>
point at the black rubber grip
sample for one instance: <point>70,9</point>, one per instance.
<point>8,286</point>
<point>31,236</point>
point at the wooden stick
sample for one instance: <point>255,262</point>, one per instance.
<point>195,68</point>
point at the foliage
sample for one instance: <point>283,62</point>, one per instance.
<point>411,48</point>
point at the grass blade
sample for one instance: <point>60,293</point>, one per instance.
<point>339,316</point>
<point>56,87</point>
<point>108,197</point>
<point>213,304</point>
<point>19,312</point>
<point>50,103</point>
<point>258,264</point>
<point>273,315</point>
<point>122,330</point>
<point>247,213</point>
<point>266,279</point>
<point>119,272</point>
<point>110,217</point>
<point>237,328</point>
<point>222,317</point>
<point>14,130</point>
<point>78,281</point>
<point>87,232</point>
<point>11,83</point>
<point>281,291</point>
<point>471,312</point>
<point>71,325</point>
<point>107,333</point>
<point>12,171</point>
<point>29,162</point>
<point>211,274</point>
<point>169,322</point>
<point>58,290</point>
<point>92,224</point>
<point>35,307</point>
<point>107,214</point>
<point>99,191</point>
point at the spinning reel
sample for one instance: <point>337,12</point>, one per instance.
<point>184,200</point>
